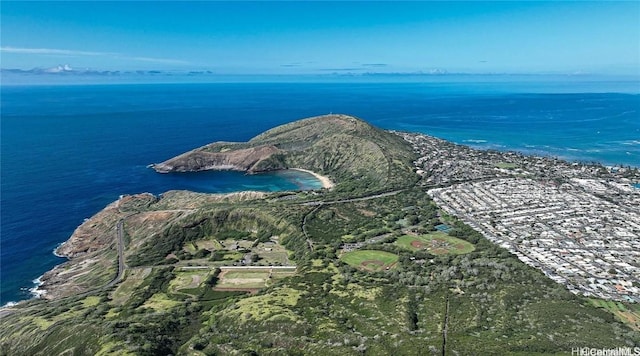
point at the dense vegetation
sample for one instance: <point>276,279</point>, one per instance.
<point>360,157</point>
<point>479,301</point>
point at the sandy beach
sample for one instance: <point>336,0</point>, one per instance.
<point>326,182</point>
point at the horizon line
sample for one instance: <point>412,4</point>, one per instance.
<point>61,71</point>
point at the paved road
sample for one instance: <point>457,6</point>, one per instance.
<point>319,204</point>
<point>304,226</point>
<point>445,328</point>
<point>369,197</point>
<point>120,242</point>
<point>257,267</point>
<point>121,267</point>
<point>120,245</point>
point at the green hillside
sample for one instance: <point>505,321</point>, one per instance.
<point>214,274</point>
<point>345,148</point>
<point>357,156</point>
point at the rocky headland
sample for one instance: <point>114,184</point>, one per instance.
<point>221,156</point>
<point>336,147</point>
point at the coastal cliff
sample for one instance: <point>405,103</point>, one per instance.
<point>96,233</point>
<point>91,250</point>
<point>220,156</point>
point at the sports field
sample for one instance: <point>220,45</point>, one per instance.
<point>437,243</point>
<point>370,260</point>
<point>243,279</point>
<point>250,278</point>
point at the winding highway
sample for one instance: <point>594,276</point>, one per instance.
<point>120,240</point>
<point>120,247</point>
<point>117,279</point>
<point>369,197</point>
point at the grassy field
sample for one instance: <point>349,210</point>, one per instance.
<point>250,278</point>
<point>160,302</point>
<point>271,254</point>
<point>209,244</point>
<point>628,314</point>
<point>282,274</point>
<point>134,278</point>
<point>437,243</point>
<point>243,279</point>
<point>371,260</point>
<point>188,279</point>
<point>228,243</point>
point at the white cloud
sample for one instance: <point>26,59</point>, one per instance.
<point>75,53</point>
<point>59,69</point>
<point>64,52</point>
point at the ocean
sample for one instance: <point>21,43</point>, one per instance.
<point>67,151</point>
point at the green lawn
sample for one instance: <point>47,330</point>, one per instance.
<point>209,244</point>
<point>272,254</point>
<point>188,279</point>
<point>372,260</point>
<point>437,243</point>
<point>133,279</point>
<point>246,274</point>
<point>243,279</point>
<point>251,278</point>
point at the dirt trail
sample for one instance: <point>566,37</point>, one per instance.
<point>445,328</point>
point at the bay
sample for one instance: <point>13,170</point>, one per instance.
<point>67,151</point>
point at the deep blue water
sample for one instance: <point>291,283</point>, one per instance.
<point>67,151</point>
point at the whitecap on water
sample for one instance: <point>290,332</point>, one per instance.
<point>35,291</point>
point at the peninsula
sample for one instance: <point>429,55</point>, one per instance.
<point>419,247</point>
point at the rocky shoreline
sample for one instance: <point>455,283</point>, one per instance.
<point>85,250</point>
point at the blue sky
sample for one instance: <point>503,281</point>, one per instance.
<point>324,37</point>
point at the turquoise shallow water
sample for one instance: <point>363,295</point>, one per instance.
<point>67,151</point>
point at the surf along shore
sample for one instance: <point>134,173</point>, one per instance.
<point>326,182</point>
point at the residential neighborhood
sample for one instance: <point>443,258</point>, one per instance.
<point>578,223</point>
